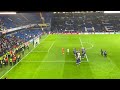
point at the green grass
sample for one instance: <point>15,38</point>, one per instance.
<point>46,61</point>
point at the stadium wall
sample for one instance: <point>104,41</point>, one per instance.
<point>102,33</point>
<point>90,33</point>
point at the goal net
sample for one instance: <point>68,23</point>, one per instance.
<point>36,41</point>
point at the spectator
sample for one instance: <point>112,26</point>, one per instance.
<point>0,62</point>
<point>11,61</point>
<point>18,57</point>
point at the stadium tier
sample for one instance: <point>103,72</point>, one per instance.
<point>82,22</point>
<point>85,22</point>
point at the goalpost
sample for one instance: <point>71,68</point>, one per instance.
<point>36,41</point>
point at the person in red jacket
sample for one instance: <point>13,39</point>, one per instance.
<point>6,60</point>
<point>14,60</point>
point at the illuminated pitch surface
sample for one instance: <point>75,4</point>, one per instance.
<point>46,61</point>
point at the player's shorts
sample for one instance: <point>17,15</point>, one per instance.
<point>78,61</point>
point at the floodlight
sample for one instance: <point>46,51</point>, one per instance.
<point>111,11</point>
<point>7,12</point>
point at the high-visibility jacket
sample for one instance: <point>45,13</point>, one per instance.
<point>14,59</point>
<point>6,59</point>
<point>10,59</point>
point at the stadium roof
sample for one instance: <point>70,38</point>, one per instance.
<point>7,12</point>
<point>111,11</point>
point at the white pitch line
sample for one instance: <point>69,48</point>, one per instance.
<point>47,50</point>
<point>86,57</point>
<point>84,61</point>
<point>82,47</point>
<point>39,51</point>
<point>15,65</point>
<point>42,61</point>
<point>81,42</point>
<point>20,60</point>
<point>48,61</point>
<point>51,46</point>
<point>90,44</point>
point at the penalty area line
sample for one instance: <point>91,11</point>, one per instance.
<point>89,47</point>
<point>49,61</point>
<point>46,61</point>
<point>39,51</point>
<point>51,46</point>
<point>47,50</point>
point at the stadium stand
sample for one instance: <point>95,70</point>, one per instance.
<point>15,39</point>
<point>12,21</point>
<point>85,22</point>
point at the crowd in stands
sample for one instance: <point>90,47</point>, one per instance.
<point>13,43</point>
<point>27,34</point>
<point>10,49</point>
<point>7,43</point>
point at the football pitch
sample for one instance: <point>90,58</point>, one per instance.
<point>46,60</point>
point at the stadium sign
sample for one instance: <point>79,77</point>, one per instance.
<point>18,28</point>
